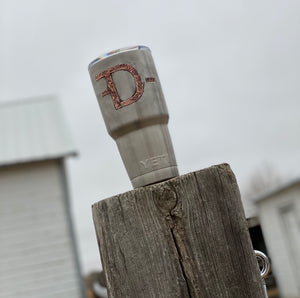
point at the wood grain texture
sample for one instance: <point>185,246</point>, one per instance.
<point>186,237</point>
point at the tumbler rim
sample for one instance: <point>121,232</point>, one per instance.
<point>118,51</point>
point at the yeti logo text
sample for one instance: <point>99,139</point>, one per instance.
<point>112,90</point>
<point>155,162</point>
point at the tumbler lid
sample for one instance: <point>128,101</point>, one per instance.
<point>121,50</point>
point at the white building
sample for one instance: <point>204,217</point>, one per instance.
<point>38,256</point>
<point>279,217</point>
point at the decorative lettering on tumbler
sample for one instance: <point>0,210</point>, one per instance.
<point>112,90</point>
<point>154,162</point>
<point>150,80</point>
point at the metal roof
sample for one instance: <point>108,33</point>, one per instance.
<point>275,190</point>
<point>33,129</point>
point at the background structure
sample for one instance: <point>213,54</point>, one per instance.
<point>38,252</point>
<point>229,70</point>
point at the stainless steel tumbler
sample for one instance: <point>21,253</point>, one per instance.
<point>133,107</point>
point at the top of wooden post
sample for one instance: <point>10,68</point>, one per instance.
<point>185,237</point>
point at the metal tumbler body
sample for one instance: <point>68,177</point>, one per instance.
<point>133,107</point>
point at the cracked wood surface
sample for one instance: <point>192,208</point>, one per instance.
<point>186,237</point>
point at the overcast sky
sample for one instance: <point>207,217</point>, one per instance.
<point>229,70</point>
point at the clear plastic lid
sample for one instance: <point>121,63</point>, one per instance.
<point>122,50</point>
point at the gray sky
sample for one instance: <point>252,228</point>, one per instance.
<point>229,70</point>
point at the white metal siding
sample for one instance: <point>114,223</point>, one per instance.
<point>285,263</point>
<point>36,246</point>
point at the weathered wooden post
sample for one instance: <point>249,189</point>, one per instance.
<point>184,237</point>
